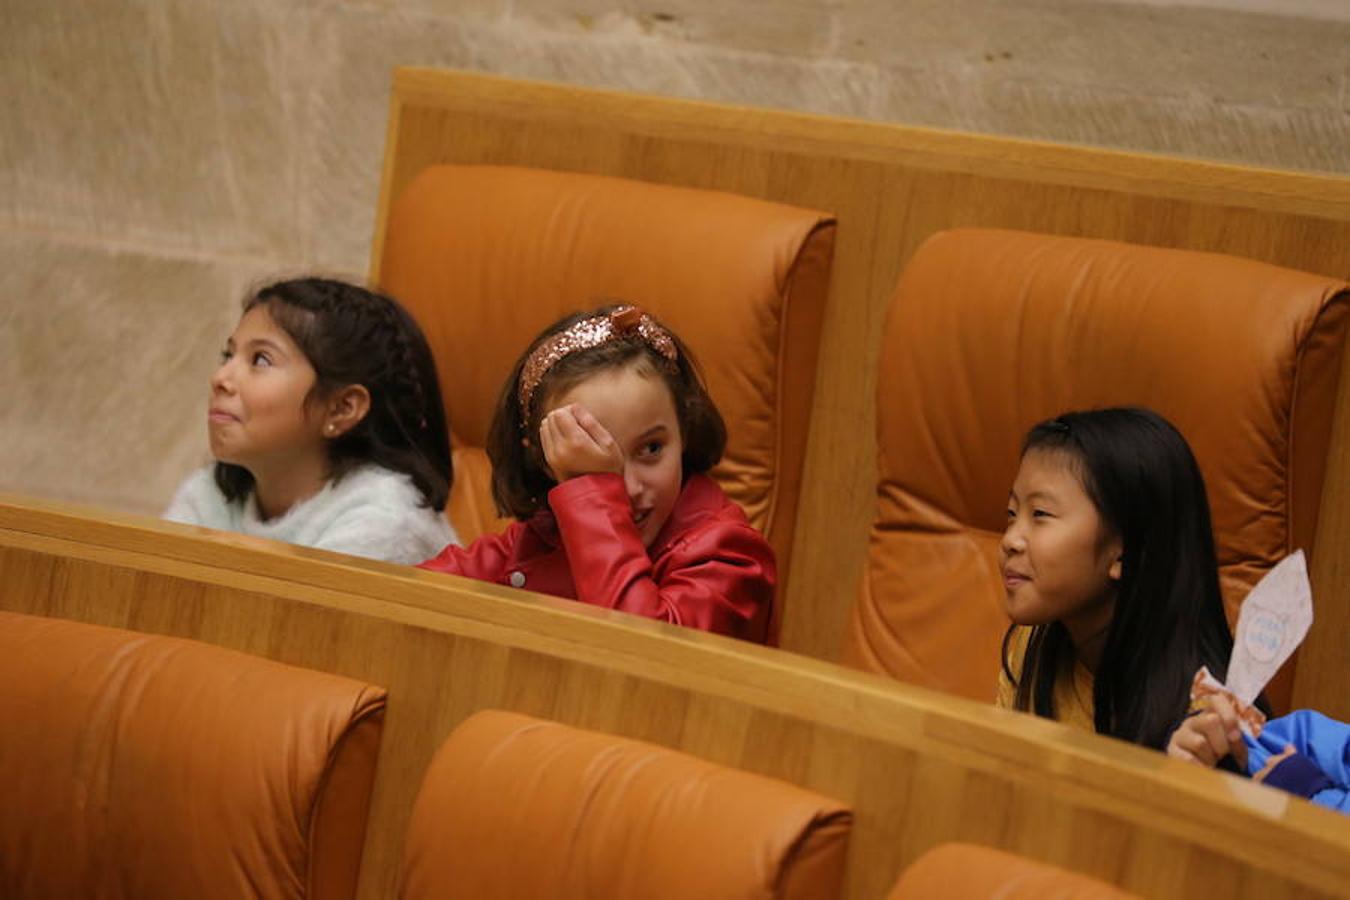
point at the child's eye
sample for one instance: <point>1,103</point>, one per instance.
<point>1012,513</point>
<point>650,450</point>
<point>261,359</point>
<point>1040,514</point>
<point>226,355</point>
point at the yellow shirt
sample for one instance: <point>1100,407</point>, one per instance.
<point>1073,685</point>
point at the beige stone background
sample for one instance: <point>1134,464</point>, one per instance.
<point>158,156</point>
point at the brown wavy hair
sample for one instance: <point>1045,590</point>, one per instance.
<point>520,479</point>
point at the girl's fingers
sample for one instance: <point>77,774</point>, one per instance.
<point>1227,713</point>
<point>1216,736</point>
<point>591,425</point>
<point>1197,743</point>
<point>547,442</point>
<point>1230,725</point>
<point>568,429</point>
<point>544,436</point>
<point>1178,752</point>
<point>1194,740</point>
<point>1175,748</point>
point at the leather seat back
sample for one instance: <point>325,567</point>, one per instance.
<point>139,766</point>
<point>981,873</point>
<point>989,332</point>
<point>485,257</point>
<point>517,807</point>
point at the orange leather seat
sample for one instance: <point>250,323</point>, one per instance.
<point>989,332</point>
<point>139,766</point>
<point>968,872</point>
<point>517,807</point>
<point>485,257</point>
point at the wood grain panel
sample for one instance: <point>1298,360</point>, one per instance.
<point>890,187</point>
<point>918,767</point>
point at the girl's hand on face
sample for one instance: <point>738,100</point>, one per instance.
<point>1209,736</point>
<point>575,443</point>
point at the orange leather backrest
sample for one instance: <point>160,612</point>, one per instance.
<point>989,332</point>
<point>485,257</point>
<point>968,872</point>
<point>143,766</point>
<point>517,807</point>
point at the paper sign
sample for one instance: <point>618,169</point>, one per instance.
<point>1275,618</point>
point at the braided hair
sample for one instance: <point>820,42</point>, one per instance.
<point>351,335</point>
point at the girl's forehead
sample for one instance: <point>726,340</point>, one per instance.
<point>621,377</point>
<point>1051,470</point>
<point>257,318</point>
<point>257,324</point>
<point>621,382</point>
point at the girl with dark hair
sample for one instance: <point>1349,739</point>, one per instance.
<point>327,427</point>
<point>1112,586</point>
<point>600,445</point>
<point>1111,577</point>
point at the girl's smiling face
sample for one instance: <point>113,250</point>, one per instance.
<point>260,415</point>
<point>636,408</point>
<point>1060,562</point>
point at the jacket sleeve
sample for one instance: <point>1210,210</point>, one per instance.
<point>486,559</point>
<point>719,576</point>
<point>1324,747</point>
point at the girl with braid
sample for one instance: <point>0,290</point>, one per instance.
<point>600,448</point>
<point>326,423</point>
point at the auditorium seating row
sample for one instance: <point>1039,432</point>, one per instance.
<point>169,768</point>
<point>775,243</point>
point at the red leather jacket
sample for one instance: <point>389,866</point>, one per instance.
<point>708,568</point>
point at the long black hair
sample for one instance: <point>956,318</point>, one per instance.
<point>351,335</point>
<point>1168,618</point>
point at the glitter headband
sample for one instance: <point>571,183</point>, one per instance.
<point>623,322</point>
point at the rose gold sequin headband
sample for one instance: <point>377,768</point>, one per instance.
<point>626,321</point>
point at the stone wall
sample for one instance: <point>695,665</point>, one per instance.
<point>158,156</point>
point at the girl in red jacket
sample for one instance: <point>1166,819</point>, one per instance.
<point>600,446</point>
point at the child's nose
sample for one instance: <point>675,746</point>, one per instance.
<point>220,379</point>
<point>1012,541</point>
<point>631,482</point>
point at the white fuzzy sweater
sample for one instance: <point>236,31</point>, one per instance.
<point>371,512</point>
